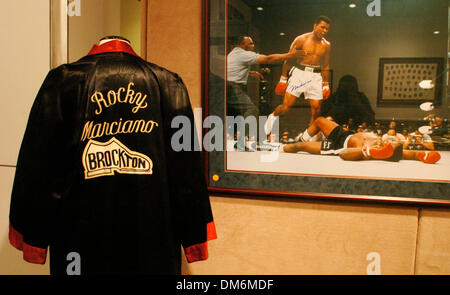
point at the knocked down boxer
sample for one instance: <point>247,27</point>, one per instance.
<point>353,146</point>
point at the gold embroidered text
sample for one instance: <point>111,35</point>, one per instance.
<point>122,95</point>
<point>92,130</point>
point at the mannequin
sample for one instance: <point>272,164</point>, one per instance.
<point>112,44</point>
<point>111,38</point>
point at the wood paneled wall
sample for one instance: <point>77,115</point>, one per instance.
<point>295,236</point>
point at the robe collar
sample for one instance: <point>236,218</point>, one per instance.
<point>112,46</point>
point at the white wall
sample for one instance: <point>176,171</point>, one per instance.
<point>100,18</point>
<point>25,61</point>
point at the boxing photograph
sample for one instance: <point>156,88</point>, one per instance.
<point>338,91</point>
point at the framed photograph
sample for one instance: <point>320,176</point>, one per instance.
<point>407,81</point>
<point>254,139</point>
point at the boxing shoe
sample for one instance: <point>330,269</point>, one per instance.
<point>379,152</point>
<point>430,158</point>
<point>304,136</point>
<point>269,123</point>
<point>281,86</point>
<point>299,137</point>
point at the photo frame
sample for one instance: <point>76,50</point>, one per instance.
<point>295,175</point>
<point>400,78</point>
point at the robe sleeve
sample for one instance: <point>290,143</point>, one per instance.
<point>34,194</point>
<point>189,195</point>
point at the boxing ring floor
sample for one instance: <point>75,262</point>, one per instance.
<point>329,165</point>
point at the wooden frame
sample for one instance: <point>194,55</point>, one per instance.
<point>224,178</point>
<point>144,28</point>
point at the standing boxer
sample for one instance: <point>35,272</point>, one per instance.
<point>308,74</point>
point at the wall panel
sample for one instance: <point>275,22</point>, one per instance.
<point>270,236</point>
<point>174,41</point>
<point>433,245</point>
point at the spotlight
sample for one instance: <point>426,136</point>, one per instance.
<point>427,106</point>
<point>426,84</point>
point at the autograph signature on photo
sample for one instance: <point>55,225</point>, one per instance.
<point>301,85</point>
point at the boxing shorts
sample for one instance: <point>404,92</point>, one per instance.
<point>307,80</point>
<point>336,141</point>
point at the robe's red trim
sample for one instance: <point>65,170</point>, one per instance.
<point>112,46</point>
<point>30,253</point>
<point>200,251</point>
<point>211,231</point>
<point>197,252</point>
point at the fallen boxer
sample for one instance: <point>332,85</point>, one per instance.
<point>353,146</point>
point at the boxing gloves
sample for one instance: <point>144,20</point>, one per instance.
<point>430,158</point>
<point>378,152</point>
<point>326,90</point>
<point>281,86</point>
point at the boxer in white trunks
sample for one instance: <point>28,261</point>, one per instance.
<point>308,74</point>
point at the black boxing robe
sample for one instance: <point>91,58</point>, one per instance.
<point>98,182</point>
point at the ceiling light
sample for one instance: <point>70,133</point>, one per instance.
<point>426,84</point>
<point>426,106</point>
